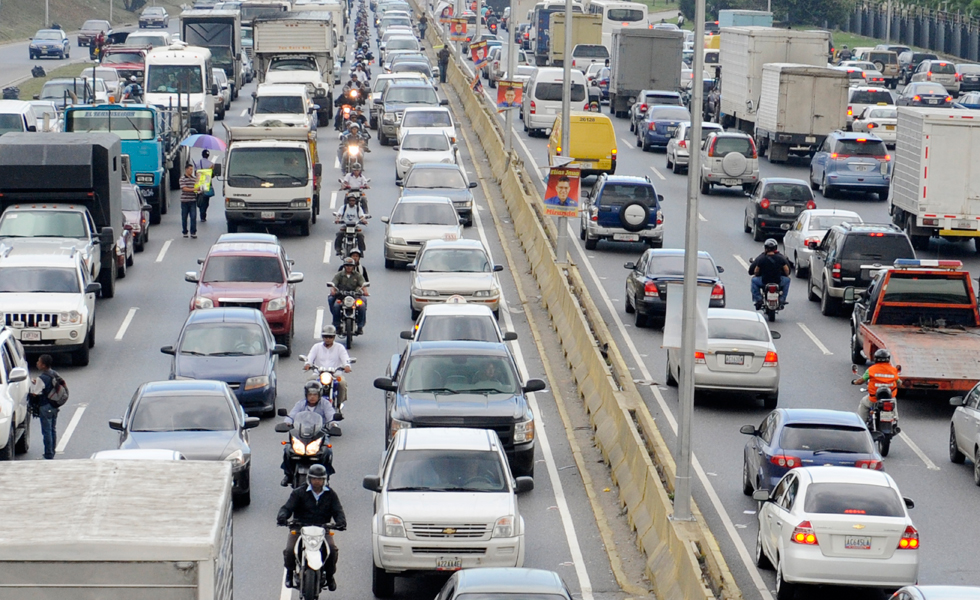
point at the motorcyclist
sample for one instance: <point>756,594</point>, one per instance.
<point>769,267</point>
<point>133,91</point>
<point>316,504</point>
<point>355,134</point>
<point>845,54</point>
<point>881,375</point>
<point>311,402</point>
<point>359,267</point>
<point>349,281</point>
<point>355,180</point>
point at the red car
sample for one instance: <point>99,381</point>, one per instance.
<point>249,270</point>
<point>136,216</point>
<point>126,60</point>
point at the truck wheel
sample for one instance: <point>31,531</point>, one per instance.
<point>919,242</point>
<point>80,358</point>
<point>24,443</point>
<point>304,229</point>
<point>316,208</point>
<point>107,277</point>
<point>382,584</point>
<point>856,356</point>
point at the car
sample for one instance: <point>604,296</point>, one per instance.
<point>789,438</point>
<point>646,284</point>
<point>969,100</point>
<point>882,121</point>
<point>811,226</point>
<point>522,74</point>
<point>659,125</point>
<point>452,488</point>
<point>647,98</point>
<point>66,91</point>
<point>774,205</point>
<point>592,71</point>
<point>909,60</point>
<point>854,161</point>
<point>289,103</point>
<point>136,216</point>
<point>138,454</point>
<point>430,119</point>
<point>381,82</point>
<point>233,345</point>
<point>416,66</point>
<point>441,179</point>
<point>493,55</point>
<point>529,584</point>
<point>445,268</point>
<point>739,357</point>
<point>730,159</point>
<point>15,384</point>
<point>855,76</point>
<point>252,272</point>
<point>969,77</point>
<point>622,208</point>
<point>415,220</point>
<point>154,16</point>
<point>147,39</point>
<point>91,30</point>
<point>584,55</point>
<point>125,252</point>
<point>423,146</point>
<point>394,55</point>
<point>837,526</point>
<point>938,71</point>
<point>457,319</point>
<point>99,88</point>
<point>678,146</point>
<point>109,76</point>
<point>862,97</point>
<point>964,433</point>
<point>48,109</point>
<point>49,42</point>
<point>847,257</point>
<point>444,384</point>
<point>200,419</point>
<point>224,89</point>
<point>922,93</point>
<point>398,96</point>
<point>885,62</point>
<point>937,592</point>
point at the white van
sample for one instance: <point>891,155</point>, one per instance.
<point>287,103</point>
<point>185,70</point>
<point>17,115</point>
<point>542,98</point>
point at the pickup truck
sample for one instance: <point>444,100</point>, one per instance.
<point>925,313</point>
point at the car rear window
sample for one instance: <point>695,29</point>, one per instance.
<point>972,69</point>
<point>252,269</point>
<point>871,97</point>
<point>671,99</point>
<point>853,499</point>
<point>591,52</point>
<point>618,193</point>
<point>826,222</point>
<point>427,118</point>
<point>674,265</point>
<point>923,287</point>
<point>725,145</point>
<point>670,112</point>
<point>551,91</point>
<point>857,147</point>
<point>737,329</point>
<point>888,58</point>
<point>883,113</point>
<point>456,327</point>
<point>788,191</point>
<point>920,56</point>
<point>182,413</point>
<point>929,88</point>
<point>808,437</point>
<point>943,68</point>
<point>877,246</point>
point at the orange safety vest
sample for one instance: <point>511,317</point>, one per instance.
<point>883,374</point>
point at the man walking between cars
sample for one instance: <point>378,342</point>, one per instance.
<point>47,395</point>
<point>188,200</point>
<point>443,57</point>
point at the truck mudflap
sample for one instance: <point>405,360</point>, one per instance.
<point>932,358</point>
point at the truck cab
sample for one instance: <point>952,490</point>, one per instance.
<point>181,75</point>
<point>303,69</point>
<point>287,103</point>
<point>128,61</point>
<point>220,31</point>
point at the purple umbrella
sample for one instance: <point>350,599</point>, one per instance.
<point>205,142</point>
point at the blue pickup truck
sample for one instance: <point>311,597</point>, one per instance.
<point>150,135</point>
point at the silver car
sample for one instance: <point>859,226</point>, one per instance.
<point>678,147</point>
<point>729,159</point>
<point>454,268</point>
<point>938,71</point>
<point>811,226</point>
<point>415,220</point>
<point>740,356</point>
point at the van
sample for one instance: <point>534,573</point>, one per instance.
<point>16,115</point>
<point>592,140</point>
<point>542,98</point>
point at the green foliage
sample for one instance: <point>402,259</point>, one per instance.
<point>795,12</point>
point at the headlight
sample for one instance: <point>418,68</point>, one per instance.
<point>276,304</point>
<point>483,293</point>
<point>404,162</point>
<point>388,118</point>
<point>396,241</point>
<point>70,317</point>
<point>349,301</point>
<point>229,203</point>
<point>299,447</point>
<point>326,378</point>
<point>236,457</point>
<point>396,425</point>
<point>255,383</point>
<point>524,431</point>
<point>300,203</point>
<point>428,293</point>
<point>394,527</point>
<point>503,528</point>
<point>353,150</point>
<point>202,302</point>
<point>313,447</point>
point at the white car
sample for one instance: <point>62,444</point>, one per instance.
<point>678,147</point>
<point>444,499</point>
<point>420,145</point>
<point>415,220</point>
<point>859,98</point>
<point>431,118</point>
<point>836,526</point>
<point>881,121</point>
<point>224,89</point>
<point>285,102</point>
<point>99,87</point>
<point>47,108</point>
<point>457,319</point>
<point>446,268</point>
<point>108,75</point>
<point>15,420</point>
<point>811,226</point>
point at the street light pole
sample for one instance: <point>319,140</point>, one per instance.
<point>110,11</point>
<point>511,65</point>
<point>566,109</point>
<point>47,21</point>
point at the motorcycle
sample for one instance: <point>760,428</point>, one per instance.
<point>329,384</point>
<point>312,552</point>
<point>351,152</point>
<point>350,303</point>
<point>309,443</point>
<point>358,193</point>
<point>770,301</point>
<point>882,419</point>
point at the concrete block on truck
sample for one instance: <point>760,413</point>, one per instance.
<point>586,29</point>
<point>642,59</point>
<point>116,530</point>
<point>935,188</point>
<point>744,18</point>
<point>799,106</point>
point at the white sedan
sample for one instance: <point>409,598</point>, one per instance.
<point>811,226</point>
<point>882,121</point>
<point>430,118</point>
<point>422,145</point>
<point>836,526</point>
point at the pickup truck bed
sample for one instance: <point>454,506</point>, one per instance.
<point>931,358</point>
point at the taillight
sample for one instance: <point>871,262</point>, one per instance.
<point>874,465</point>
<point>916,98</point>
<point>810,205</point>
<point>585,106</point>
<point>765,203</point>
<point>835,271</point>
<point>804,534</point>
<point>815,240</point>
<point>651,126</point>
<point>718,292</point>
<point>711,149</point>
<point>660,217</point>
<point>682,143</point>
<point>643,108</point>
<point>573,62</point>
<point>650,290</point>
<point>790,462</point>
<point>871,125</point>
<point>850,111</point>
<point>833,155</point>
<point>959,77</point>
<point>910,539</point>
<point>532,107</point>
<point>699,358</point>
<point>887,406</point>
<point>929,76</point>
<point>772,359</point>
<point>755,154</point>
<point>949,98</point>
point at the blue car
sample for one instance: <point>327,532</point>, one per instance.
<point>623,209</point>
<point>970,100</point>
<point>49,42</point>
<point>234,345</point>
<point>798,437</point>
<point>659,125</point>
<point>851,161</point>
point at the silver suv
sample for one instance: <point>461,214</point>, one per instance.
<point>15,421</point>
<point>729,159</point>
<point>942,72</point>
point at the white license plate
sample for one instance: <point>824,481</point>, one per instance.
<point>855,542</point>
<point>268,214</point>
<point>932,101</point>
<point>449,563</point>
<point>963,224</point>
<point>734,359</point>
<point>30,335</point>
<point>586,165</point>
<point>626,237</point>
<point>810,139</point>
<point>730,181</point>
<point>146,192</point>
<point>862,168</point>
<point>787,209</point>
<point>889,127</point>
<point>671,129</point>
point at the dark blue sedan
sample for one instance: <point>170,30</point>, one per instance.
<point>233,345</point>
<point>794,437</point>
<point>659,125</point>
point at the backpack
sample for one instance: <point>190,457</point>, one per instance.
<point>58,395</point>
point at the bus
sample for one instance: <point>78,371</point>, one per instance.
<point>616,15</point>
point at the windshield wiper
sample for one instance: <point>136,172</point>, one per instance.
<point>228,354</point>
<point>249,175</point>
<point>293,177</point>
<point>194,429</point>
<point>415,488</point>
<point>488,391</point>
<point>434,391</point>
<point>839,450</point>
<point>192,352</point>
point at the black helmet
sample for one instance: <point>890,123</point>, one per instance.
<point>311,386</point>
<point>883,393</point>
<point>317,471</point>
<point>771,244</point>
<point>883,355</point>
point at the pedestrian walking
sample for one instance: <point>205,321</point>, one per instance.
<point>205,184</point>
<point>48,394</point>
<point>423,24</point>
<point>443,57</point>
<point>188,200</point>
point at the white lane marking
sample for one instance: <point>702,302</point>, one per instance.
<point>701,217</point>
<point>333,197</point>
<point>244,112</point>
<point>659,174</point>
<point>629,144</point>
<point>741,261</point>
<point>915,448</point>
<point>816,341</point>
<point>163,251</point>
<point>125,323</point>
<point>327,247</point>
<point>75,418</point>
<point>286,593</point>
<point>318,324</point>
<point>336,161</point>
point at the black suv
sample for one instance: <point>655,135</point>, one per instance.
<point>849,256</point>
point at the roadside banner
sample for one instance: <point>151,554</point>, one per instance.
<point>561,195</point>
<point>509,95</point>
<point>457,30</point>
<point>479,52</point>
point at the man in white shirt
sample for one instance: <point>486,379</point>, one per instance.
<point>330,354</point>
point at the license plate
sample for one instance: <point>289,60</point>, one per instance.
<point>810,139</point>
<point>268,214</point>
<point>854,542</point>
<point>932,101</point>
<point>963,224</point>
<point>626,237</point>
<point>671,129</point>
<point>146,192</point>
<point>730,181</point>
<point>30,335</point>
<point>861,167</point>
<point>734,359</point>
<point>787,209</point>
<point>449,563</point>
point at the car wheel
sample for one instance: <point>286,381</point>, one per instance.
<point>415,313</point>
<point>829,306</point>
<point>761,560</point>
<point>745,223</point>
<point>856,356</point>
<point>389,264</point>
<point>245,498</point>
<point>784,590</point>
<point>382,584</point>
<point>629,307</point>
<point>813,184</point>
<point>670,164</point>
<point>976,467</point>
<point>798,270</point>
<point>639,320</point>
<point>643,145</point>
<point>632,126</point>
<point>677,168</point>
<point>747,487</point>
<point>591,243</point>
<point>669,377</point>
<point>828,191</point>
<point>80,358</point>
<point>810,294</point>
<point>24,443</point>
<point>955,456</point>
<point>757,234</point>
<point>639,144</point>
<point>771,400</point>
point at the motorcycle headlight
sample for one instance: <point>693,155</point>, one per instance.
<point>313,447</point>
<point>353,150</point>
<point>236,457</point>
<point>503,528</point>
<point>394,527</point>
<point>202,302</point>
<point>70,317</point>
<point>325,378</point>
<point>255,383</point>
<point>299,447</point>
<point>396,241</point>
<point>276,304</point>
<point>349,301</point>
<point>524,431</point>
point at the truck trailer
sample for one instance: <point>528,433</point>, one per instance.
<point>220,31</point>
<point>586,29</point>
<point>642,59</point>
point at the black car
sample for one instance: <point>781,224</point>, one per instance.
<point>154,16</point>
<point>923,93</point>
<point>646,285</point>
<point>849,256</point>
<point>462,384</point>
<point>909,60</point>
<point>774,205</point>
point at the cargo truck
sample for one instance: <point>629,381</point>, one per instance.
<point>799,106</point>
<point>541,26</point>
<point>586,29</point>
<point>116,530</point>
<point>744,18</point>
<point>744,50</point>
<point>642,59</point>
<point>220,31</point>
<point>936,184</point>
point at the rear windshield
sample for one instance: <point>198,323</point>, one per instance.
<point>787,191</point>
<point>628,15</point>
<point>881,249</point>
<point>737,329</point>
<point>616,193</point>
<point>552,91</point>
<point>435,179</point>
<point>470,328</point>
<point>182,413</point>
<point>871,97</point>
<point>674,265</point>
<point>921,56</point>
<point>402,44</point>
<point>944,68</point>
<point>826,222</point>
<point>427,118</point>
<point>725,145</point>
<point>937,289</point>
<point>929,88</point>
<point>853,499</point>
<point>883,113</point>
<point>10,123</point>
<point>424,213</point>
<point>858,148</point>
<point>670,112</point>
<point>253,269</point>
<point>672,99</point>
<point>828,438</point>
<point>591,52</point>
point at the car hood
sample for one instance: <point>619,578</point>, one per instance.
<point>288,119</point>
<point>451,507</point>
<point>424,405</point>
<point>221,368</point>
<point>421,233</point>
<point>240,289</point>
<point>194,445</point>
<point>40,303</point>
<point>456,195</point>
<point>44,245</point>
<point>131,217</point>
<point>426,156</point>
<point>464,283</point>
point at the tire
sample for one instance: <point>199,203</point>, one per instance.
<point>828,191</point>
<point>629,307</point>
<point>415,314</point>
<point>7,452</point>
<point>747,487</point>
<point>745,224</point>
<point>632,126</point>
<point>813,184</point>
<point>761,560</point>
<point>770,401</point>
<point>955,456</point>
<point>382,584</point>
<point>856,356</point>
<point>350,336</point>
<point>245,498</point>
<point>24,443</point>
<point>810,295</point>
<point>581,233</point>
<point>107,277</point>
<point>139,244</point>
<point>669,377</point>
<point>638,226</point>
<point>389,264</point>
<point>382,138</point>
<point>121,271</point>
<point>131,258</point>
<point>304,229</point>
<point>590,243</point>
<point>670,165</point>
<point>784,590</point>
<point>757,234</point>
<point>771,315</point>
<point>677,168</point>
<point>80,358</point>
<point>829,306</point>
<point>639,144</point>
<point>287,341</point>
<point>800,272</point>
<point>976,467</point>
<point>884,444</point>
<point>310,584</point>
<point>639,320</point>
<point>705,188</point>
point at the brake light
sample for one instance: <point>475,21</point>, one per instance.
<point>660,217</point>
<point>835,271</point>
<point>682,143</point>
<point>718,292</point>
<point>755,154</point>
<point>887,406</point>
<point>711,149</point>
<point>772,359</point>
<point>699,358</point>
<point>885,158</point>
<point>959,77</point>
<point>815,240</point>
<point>643,108</point>
<point>650,289</point>
<point>850,111</point>
<point>764,203</point>
<point>652,126</point>
<point>804,534</point>
<point>916,98</point>
<point>910,539</point>
<point>533,107</point>
<point>871,125</point>
<point>834,155</point>
<point>874,465</point>
<point>573,62</point>
<point>585,106</point>
<point>810,205</point>
<point>790,462</point>
<point>949,98</point>
<point>929,76</point>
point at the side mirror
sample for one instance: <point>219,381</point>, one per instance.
<point>384,383</point>
<point>200,261</point>
<point>444,102</point>
<point>660,197</point>
<point>407,335</point>
<point>93,288</point>
<point>333,430</point>
<point>411,266</point>
<point>107,237</point>
<point>169,350</point>
<point>908,502</point>
<point>720,268</point>
<point>214,89</point>
<point>498,268</point>
<point>318,169</point>
<point>855,369</point>
<point>533,385</point>
<point>251,422</point>
<point>957,401</point>
<point>32,128</point>
<point>523,484</point>
<point>510,336</point>
<point>748,430</point>
<point>116,424</point>
<point>283,427</point>
<point>811,245</point>
<point>630,265</point>
<point>385,219</point>
<point>372,483</point>
<point>849,295</point>
<point>279,349</point>
<point>295,277</point>
<point>775,335</point>
<point>248,111</point>
<point>400,183</point>
<point>192,277</point>
<point>17,375</point>
<point>216,170</point>
<point>396,148</point>
<point>282,412</point>
<point>898,368</point>
<point>761,495</point>
<point>472,184</point>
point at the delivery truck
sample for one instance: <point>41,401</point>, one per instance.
<point>220,31</point>
<point>642,59</point>
<point>586,29</point>
<point>744,18</point>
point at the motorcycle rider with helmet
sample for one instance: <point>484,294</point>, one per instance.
<point>355,180</point>
<point>881,374</point>
<point>312,403</point>
<point>350,214</point>
<point>133,91</point>
<point>349,281</point>
<point>330,354</point>
<point>769,267</point>
<point>353,135</point>
<point>316,505</point>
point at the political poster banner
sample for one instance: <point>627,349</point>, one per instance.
<point>510,94</point>
<point>561,195</point>
<point>457,29</point>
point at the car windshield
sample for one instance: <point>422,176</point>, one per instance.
<point>737,329</point>
<point>44,223</point>
<point>788,191</point>
<point>400,94</point>
<point>131,199</point>
<point>924,287</point>
<point>590,51</point>
<point>154,40</point>
<point>860,147</point>
<point>38,280</point>
<point>628,15</point>
<point>170,79</point>
<point>424,213</point>
<point>223,339</point>
<point>293,64</point>
<point>425,142</point>
<point>47,35</point>
<point>620,193</point>
<point>458,327</point>
<point>882,113</point>
<point>853,499</point>
<point>454,260</point>
<point>127,124</point>
<point>59,90</point>
<point>119,58</point>
<point>926,88</point>
<point>182,413</point>
<point>270,105</point>
<point>250,269</point>
<point>823,223</point>
<point>10,123</point>
<point>435,179</point>
<point>449,374</point>
<point>877,247</point>
<point>670,113</point>
<point>674,265</point>
<point>552,91</point>
<point>401,43</point>
<point>252,167</point>
<point>427,118</point>
<point>447,471</point>
<point>809,437</point>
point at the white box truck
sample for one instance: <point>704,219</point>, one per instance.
<point>744,50</point>
<point>799,106</point>
<point>642,59</point>
<point>743,18</point>
<point>116,530</point>
<point>936,182</point>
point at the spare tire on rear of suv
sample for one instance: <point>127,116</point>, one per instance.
<point>733,164</point>
<point>634,216</point>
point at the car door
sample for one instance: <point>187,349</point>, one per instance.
<point>752,206</point>
<point>819,259</point>
<point>86,279</point>
<point>966,422</point>
<point>819,162</point>
<point>767,527</point>
<point>781,512</point>
<point>763,451</point>
<point>18,391</point>
<point>635,278</point>
<point>792,241</point>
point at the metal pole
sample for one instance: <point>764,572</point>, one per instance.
<point>566,109</point>
<point>478,32</point>
<point>682,481</point>
<point>110,11</point>
<point>47,21</point>
<point>511,66</point>
<point>888,23</point>
<point>458,14</point>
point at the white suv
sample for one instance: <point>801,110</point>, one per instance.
<point>48,302</point>
<point>444,500</point>
<point>15,421</point>
<point>729,159</point>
